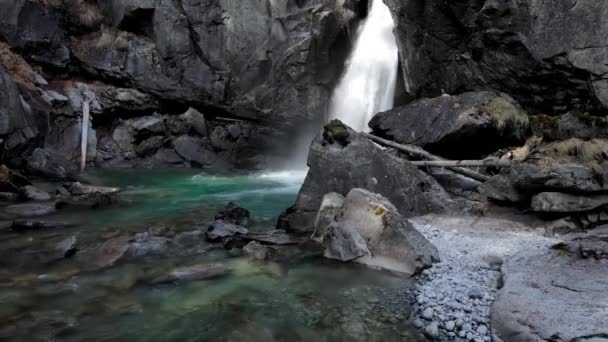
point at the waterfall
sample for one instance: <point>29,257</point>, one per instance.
<point>84,134</point>
<point>368,85</point>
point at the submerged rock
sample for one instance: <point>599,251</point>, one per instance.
<point>66,248</point>
<point>27,225</point>
<point>453,126</point>
<point>193,273</point>
<point>78,188</point>
<point>35,194</point>
<point>111,251</point>
<point>221,229</point>
<point>256,250</point>
<point>341,160</point>
<point>94,200</point>
<point>31,210</point>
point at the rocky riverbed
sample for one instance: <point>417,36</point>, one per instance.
<point>454,296</point>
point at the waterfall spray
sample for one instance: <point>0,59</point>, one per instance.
<point>368,85</point>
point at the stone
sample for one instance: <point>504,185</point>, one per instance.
<point>221,229</point>
<point>35,194</point>
<point>194,150</point>
<point>500,188</point>
<point>193,273</point>
<point>50,165</point>
<point>78,188</point>
<point>64,139</point>
<point>234,214</point>
<point>361,164</point>
<point>150,145</point>
<point>192,238</point>
<point>111,251</point>
<point>256,250</point>
<point>561,227</point>
<point>148,125</point>
<point>452,126</point>
<point>67,247</point>
<point>30,210</point>
<point>94,200</point>
<point>344,242</point>
<point>27,225</point>
<point>11,181</point>
<point>564,177</point>
<point>432,330</point>
<point>331,206</point>
<point>428,313</point>
<point>450,325</point>
<point>196,121</point>
<point>9,197</point>
<point>168,156</point>
<point>557,202</point>
<point>540,286</point>
<point>144,244</point>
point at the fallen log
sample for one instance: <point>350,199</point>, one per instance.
<point>463,163</point>
<point>415,150</point>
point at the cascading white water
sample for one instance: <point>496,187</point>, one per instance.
<point>368,86</point>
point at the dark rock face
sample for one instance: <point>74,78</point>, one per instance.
<point>540,286</point>
<point>335,167</point>
<point>270,64</point>
<point>17,122</point>
<point>547,55</point>
<point>454,126</point>
<point>51,165</point>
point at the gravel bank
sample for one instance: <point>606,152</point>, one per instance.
<point>454,296</point>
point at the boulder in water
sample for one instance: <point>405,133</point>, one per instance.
<point>193,273</point>
<point>221,229</point>
<point>234,214</point>
<point>31,210</point>
<point>341,159</point>
<point>256,250</point>
<point>111,251</point>
<point>78,189</point>
<point>67,247</point>
<point>94,200</point>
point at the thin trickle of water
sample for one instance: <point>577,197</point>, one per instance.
<point>368,86</point>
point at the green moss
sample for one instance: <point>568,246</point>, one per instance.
<point>336,132</point>
<point>505,114</point>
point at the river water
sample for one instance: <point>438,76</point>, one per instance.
<point>298,297</point>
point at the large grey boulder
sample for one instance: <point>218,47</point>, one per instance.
<point>342,159</point>
<point>50,164</point>
<point>194,150</point>
<point>546,54</point>
<point>370,230</point>
<point>557,202</point>
<point>551,296</point>
<point>454,126</point>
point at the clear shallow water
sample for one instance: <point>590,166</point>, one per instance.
<point>298,297</point>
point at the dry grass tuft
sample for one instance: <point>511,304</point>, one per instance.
<point>523,152</point>
<point>505,114</point>
<point>590,153</point>
<point>90,14</point>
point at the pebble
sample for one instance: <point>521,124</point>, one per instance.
<point>449,326</point>
<point>427,313</point>
<point>482,330</point>
<point>432,330</point>
<point>418,323</point>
